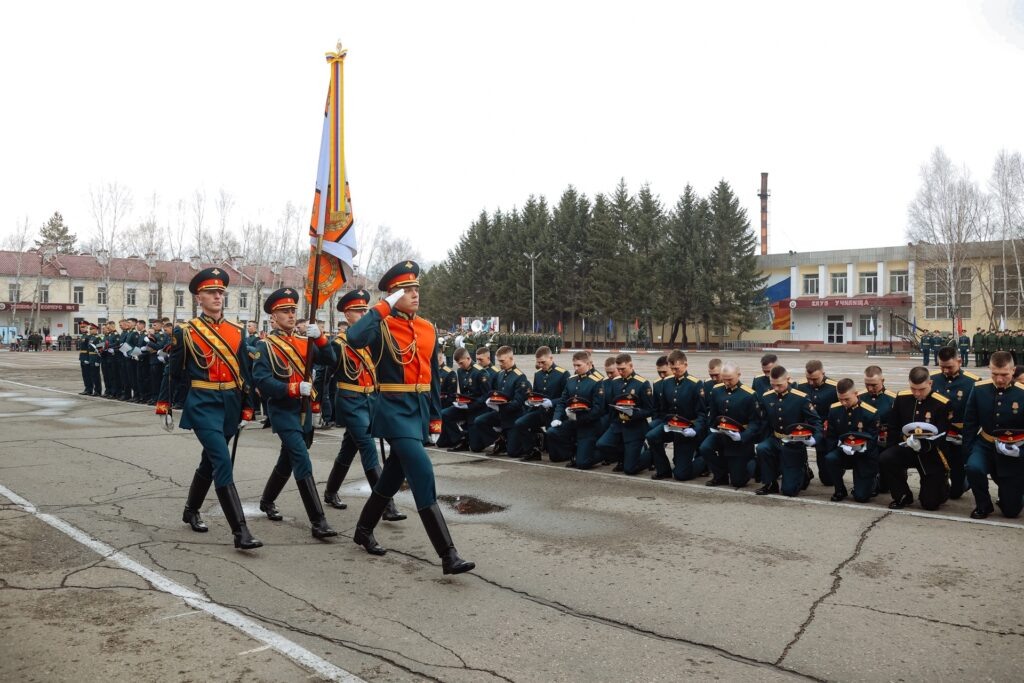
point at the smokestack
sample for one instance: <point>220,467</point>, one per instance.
<point>764,213</point>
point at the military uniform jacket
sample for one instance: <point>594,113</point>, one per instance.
<point>590,388</point>
<point>512,384</point>
<point>861,418</point>
<point>740,404</point>
<point>978,341</point>
<point>990,409</point>
<point>551,383</point>
<point>957,390</point>
<point>478,386</point>
<point>790,408</point>
<point>934,409</point>
<point>353,367</point>
<point>642,392</point>
<point>822,396</point>
<point>882,403</point>
<point>965,342</point>
<point>409,399</point>
<point>683,397</point>
<point>448,385</point>
<point>279,364</point>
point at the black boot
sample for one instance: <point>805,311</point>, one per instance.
<point>391,513</point>
<point>307,489</point>
<point>368,519</point>
<point>271,491</point>
<point>196,495</point>
<point>232,507</point>
<point>334,482</point>
<point>437,531</point>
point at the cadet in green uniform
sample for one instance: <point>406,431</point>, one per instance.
<point>576,424</point>
<point>955,384</point>
<point>926,347</point>
<point>549,382</point>
<point>852,433</point>
<point>729,454</point>
<point>821,390</point>
<point>680,395</point>
<point>629,405</point>
<point>978,342</point>
<point>510,385</point>
<point>784,407</point>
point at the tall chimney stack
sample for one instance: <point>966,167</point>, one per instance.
<point>764,213</point>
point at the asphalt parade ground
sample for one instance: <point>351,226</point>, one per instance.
<point>581,576</point>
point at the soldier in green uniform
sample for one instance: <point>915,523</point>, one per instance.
<point>729,453</point>
<point>978,342</point>
<point>955,384</point>
<point>926,347</point>
<point>784,407</point>
<point>853,428</point>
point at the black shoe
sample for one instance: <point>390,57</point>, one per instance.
<point>460,447</point>
<point>902,502</point>
<point>275,483</point>
<point>334,481</point>
<point>334,500</point>
<point>618,467</point>
<point>808,478</point>
<point>368,519</point>
<point>571,463</point>
<point>658,475</point>
<point>437,531</point>
<point>196,495</point>
<point>532,456</point>
<point>266,424</point>
<point>499,447</point>
<point>85,393</point>
<point>767,488</point>
<point>839,495</point>
<point>980,513</point>
<point>714,481</point>
<point>232,507</point>
<point>315,512</point>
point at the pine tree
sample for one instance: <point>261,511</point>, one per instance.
<point>56,234</point>
<point>681,263</point>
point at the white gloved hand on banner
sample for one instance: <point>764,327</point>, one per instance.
<point>312,331</point>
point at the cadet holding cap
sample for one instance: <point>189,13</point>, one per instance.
<point>576,424</point>
<point>852,432</point>
<point>792,424</point>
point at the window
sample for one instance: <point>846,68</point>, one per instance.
<point>1006,293</point>
<point>900,327</point>
<point>899,281</point>
<point>945,299</point>
<point>868,283</point>
<point>101,295</point>
<point>14,293</point>
<point>810,285</point>
<point>864,327</point>
<point>243,300</point>
<point>226,304</point>
<point>129,297</point>
<point>838,283</point>
<point>44,294</point>
<point>154,295</point>
<point>179,298</point>
<point>79,294</point>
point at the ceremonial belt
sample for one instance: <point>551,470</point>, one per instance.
<point>958,425</point>
<point>213,386</point>
<point>359,389</point>
<point>219,347</point>
<point>405,388</point>
<point>988,437</point>
<point>291,354</point>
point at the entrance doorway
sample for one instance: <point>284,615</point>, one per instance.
<point>835,329</point>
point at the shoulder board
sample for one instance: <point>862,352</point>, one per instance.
<point>937,373</point>
<point>640,379</point>
<point>940,398</point>
<point>983,382</point>
<point>798,393</point>
<point>596,376</point>
<point>1016,384</point>
<point>720,384</point>
<point>890,393</point>
<point>971,375</point>
<point>693,379</point>
<point>446,368</point>
<point>837,404</point>
<point>747,389</point>
<point>868,407</point>
<point>559,369</point>
<point>477,366</point>
<point>830,381</point>
<point>768,393</point>
<point>905,392</point>
<point>657,381</point>
<point>517,371</point>
<point>238,325</point>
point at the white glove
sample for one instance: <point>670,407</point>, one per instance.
<point>810,441</point>
<point>434,438</point>
<point>136,352</point>
<point>305,388</point>
<point>735,436</point>
<point>393,298</point>
<point>493,406</point>
<point>625,410</point>
<point>461,406</point>
<point>312,331</point>
<point>1008,449</point>
<point>556,423</point>
<point>161,356</point>
<point>570,415</point>
<point>913,443</point>
<point>689,432</point>
<point>547,403</point>
<point>846,448</point>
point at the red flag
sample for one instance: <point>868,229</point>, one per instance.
<point>959,325</point>
<point>559,327</point>
<point>636,324</point>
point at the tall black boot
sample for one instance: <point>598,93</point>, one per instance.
<point>307,489</point>
<point>196,495</point>
<point>232,507</point>
<point>334,482</point>
<point>437,531</point>
<point>368,519</point>
<point>271,491</point>
<point>391,513</point>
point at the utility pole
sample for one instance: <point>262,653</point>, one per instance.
<point>533,291</point>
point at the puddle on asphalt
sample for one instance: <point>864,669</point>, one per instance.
<point>471,505</point>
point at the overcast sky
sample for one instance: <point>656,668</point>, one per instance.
<point>456,107</point>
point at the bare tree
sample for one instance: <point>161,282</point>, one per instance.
<point>226,244</point>
<point>199,236</point>
<point>1007,194</point>
<point>18,242</point>
<point>110,205</point>
<point>385,250</point>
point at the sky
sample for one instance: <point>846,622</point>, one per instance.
<point>457,107</point>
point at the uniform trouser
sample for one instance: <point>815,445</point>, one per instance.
<point>86,374</point>
<point>687,462</point>
<point>215,462</point>
<point>294,455</point>
<point>357,436</point>
<point>925,352</point>
<point>94,370</point>
<point>964,352</point>
<point>977,358</point>
<point>455,423</point>
<point>626,444</point>
<point>820,449</point>
<point>127,386</point>
<point>789,460</point>
<point>482,430</point>
<point>408,462</point>
<point>894,463</point>
<point>728,459</point>
<point>530,422</point>
<point>114,385</point>
<point>105,374</point>
<point>864,466</point>
<point>156,373</point>
<point>957,460</point>
<point>1007,472</point>
<point>142,379</point>
<point>573,441</point>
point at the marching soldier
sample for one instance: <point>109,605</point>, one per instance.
<point>576,425</point>
<point>792,424</point>
<point>549,383</point>
<point>279,367</point>
<point>918,418</point>
<point>993,429</point>
<point>505,405</point>
<point>354,406</point>
<point>208,353</point>
<point>735,422</point>
<point>408,409</point>
<point>680,414</point>
<point>822,392</point>
<point>852,426</point>
<point>629,405</point>
<point>955,384</point>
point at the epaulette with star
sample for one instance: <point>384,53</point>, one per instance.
<point>798,393</point>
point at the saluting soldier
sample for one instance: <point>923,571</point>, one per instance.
<point>549,383</point>
<point>911,444</point>
<point>629,405</point>
<point>787,413</point>
<point>852,432</point>
<point>822,392</point>
<point>355,403</point>
<point>208,353</point>
<point>279,367</point>
<point>680,416</point>
<point>993,425</point>
<point>407,411</point>
<point>736,422</point>
<point>505,404</point>
<point>956,384</point>
<point>576,424</point>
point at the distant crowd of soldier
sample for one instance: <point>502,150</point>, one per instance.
<point>983,344</point>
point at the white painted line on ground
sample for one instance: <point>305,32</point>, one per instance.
<point>178,616</point>
<point>254,650</point>
<point>254,630</point>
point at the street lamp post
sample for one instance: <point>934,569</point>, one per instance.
<point>533,290</point>
<point>874,329</point>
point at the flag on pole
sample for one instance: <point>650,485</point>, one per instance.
<point>959,325</point>
<point>332,205</point>
<point>871,327</point>
<point>1002,323</point>
<point>559,326</point>
<point>513,325</point>
<point>583,324</point>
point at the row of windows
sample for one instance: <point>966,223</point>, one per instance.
<point>131,296</point>
<point>867,283</point>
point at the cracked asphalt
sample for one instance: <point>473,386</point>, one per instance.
<point>584,576</point>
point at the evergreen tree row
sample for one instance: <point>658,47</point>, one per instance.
<point>618,257</point>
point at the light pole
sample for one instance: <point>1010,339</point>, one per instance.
<point>533,291</point>
<point>874,329</point>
